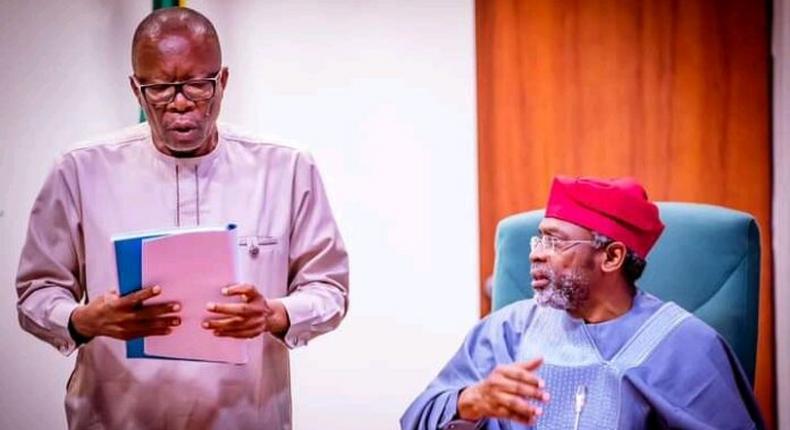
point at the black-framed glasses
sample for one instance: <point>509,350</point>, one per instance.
<point>196,90</point>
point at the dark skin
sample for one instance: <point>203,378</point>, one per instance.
<point>610,294</point>
<point>181,128</point>
<point>505,392</point>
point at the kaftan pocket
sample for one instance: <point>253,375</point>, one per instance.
<point>263,262</point>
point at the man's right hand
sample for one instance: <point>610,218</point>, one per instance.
<point>504,394</point>
<point>126,317</point>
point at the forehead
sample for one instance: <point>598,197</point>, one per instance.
<point>176,56</point>
<point>560,228</point>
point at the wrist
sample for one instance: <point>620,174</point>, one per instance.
<point>77,328</point>
<point>466,405</point>
<point>279,323</point>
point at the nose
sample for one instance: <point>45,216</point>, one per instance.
<point>180,103</point>
<point>537,255</point>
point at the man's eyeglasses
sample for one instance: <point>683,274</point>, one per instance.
<point>196,90</point>
<point>553,244</point>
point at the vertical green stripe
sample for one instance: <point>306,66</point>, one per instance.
<point>159,4</point>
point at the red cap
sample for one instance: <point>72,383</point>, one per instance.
<point>616,208</point>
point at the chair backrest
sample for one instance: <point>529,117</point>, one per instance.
<point>707,261</point>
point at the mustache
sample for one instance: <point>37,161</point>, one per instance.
<point>541,271</point>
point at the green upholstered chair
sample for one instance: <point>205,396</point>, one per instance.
<point>707,261</point>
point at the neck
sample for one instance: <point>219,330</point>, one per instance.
<point>607,302</point>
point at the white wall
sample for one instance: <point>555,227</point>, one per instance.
<point>381,92</point>
<point>63,68</point>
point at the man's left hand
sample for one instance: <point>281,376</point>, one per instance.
<point>253,316</point>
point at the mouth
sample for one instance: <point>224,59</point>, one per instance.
<point>183,130</point>
<point>539,280</point>
<point>540,284</point>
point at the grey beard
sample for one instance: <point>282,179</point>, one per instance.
<point>567,291</point>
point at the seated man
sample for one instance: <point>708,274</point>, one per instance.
<point>590,350</point>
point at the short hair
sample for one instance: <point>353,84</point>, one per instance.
<point>634,265</point>
<point>174,20</point>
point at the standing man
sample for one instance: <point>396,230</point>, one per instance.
<point>181,169</point>
<point>590,350</point>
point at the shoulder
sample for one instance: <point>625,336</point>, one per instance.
<point>255,146</point>
<point>693,340</point>
<point>119,143</point>
<point>696,334</point>
<point>129,138</point>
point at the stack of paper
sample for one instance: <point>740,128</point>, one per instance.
<point>191,266</point>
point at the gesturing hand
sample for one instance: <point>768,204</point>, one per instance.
<point>125,317</point>
<point>253,316</point>
<point>504,394</point>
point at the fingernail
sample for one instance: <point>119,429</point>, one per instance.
<point>175,321</point>
<point>541,383</point>
<point>176,307</point>
<point>546,397</point>
<point>538,411</point>
<point>205,324</point>
<point>224,291</point>
<point>210,306</point>
<point>156,289</point>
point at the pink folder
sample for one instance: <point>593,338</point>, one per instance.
<point>192,268</point>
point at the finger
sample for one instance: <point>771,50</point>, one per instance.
<point>125,334</point>
<point>154,311</point>
<point>247,291</point>
<point>224,323</point>
<point>519,374</point>
<point>532,365</point>
<point>151,324</point>
<point>240,334</point>
<point>519,388</point>
<point>518,409</point>
<point>238,309</point>
<point>138,297</point>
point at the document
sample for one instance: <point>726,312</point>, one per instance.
<point>191,266</point>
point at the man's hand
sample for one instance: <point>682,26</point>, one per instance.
<point>504,394</point>
<point>255,315</point>
<point>125,317</point>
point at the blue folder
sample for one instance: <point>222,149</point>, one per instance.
<point>128,260</point>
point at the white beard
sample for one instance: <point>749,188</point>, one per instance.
<point>566,291</point>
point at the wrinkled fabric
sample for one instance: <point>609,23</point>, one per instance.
<point>290,248</point>
<point>689,379</point>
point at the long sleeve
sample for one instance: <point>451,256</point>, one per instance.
<point>488,344</point>
<point>317,297</point>
<point>48,281</point>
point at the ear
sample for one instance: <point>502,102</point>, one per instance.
<point>223,77</point>
<point>614,257</point>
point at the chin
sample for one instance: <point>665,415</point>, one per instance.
<point>185,147</point>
